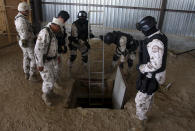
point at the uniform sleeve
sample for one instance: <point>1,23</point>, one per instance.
<point>74,32</point>
<point>65,35</point>
<point>156,51</point>
<point>41,47</point>
<point>22,29</point>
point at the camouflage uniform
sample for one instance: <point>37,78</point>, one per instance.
<point>81,44</point>
<point>25,33</point>
<point>123,53</point>
<point>143,100</point>
<point>50,72</point>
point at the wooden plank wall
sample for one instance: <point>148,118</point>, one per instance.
<point>8,11</point>
<point>2,19</point>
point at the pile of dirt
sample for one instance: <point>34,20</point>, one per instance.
<point>22,108</point>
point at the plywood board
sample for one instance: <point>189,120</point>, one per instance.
<point>119,90</point>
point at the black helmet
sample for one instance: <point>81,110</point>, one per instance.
<point>82,14</point>
<point>146,23</point>
<point>64,15</point>
<point>109,38</point>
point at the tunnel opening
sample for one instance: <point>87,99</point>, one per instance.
<point>111,95</point>
<point>95,98</point>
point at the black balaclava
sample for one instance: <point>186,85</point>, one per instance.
<point>150,32</point>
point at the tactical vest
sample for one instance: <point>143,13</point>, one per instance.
<point>61,36</point>
<point>144,57</point>
<point>82,27</point>
<point>29,25</point>
<point>144,84</point>
<point>45,56</point>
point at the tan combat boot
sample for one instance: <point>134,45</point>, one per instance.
<point>33,78</point>
<point>140,125</point>
<point>45,98</point>
<point>26,76</point>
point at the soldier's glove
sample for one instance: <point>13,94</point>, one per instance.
<point>24,43</point>
<point>121,65</point>
<point>149,75</point>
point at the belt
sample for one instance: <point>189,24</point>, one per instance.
<point>51,58</point>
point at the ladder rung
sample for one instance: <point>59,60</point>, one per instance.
<point>96,83</point>
<point>97,24</point>
<point>96,72</point>
<point>96,11</point>
<point>97,48</point>
<point>97,61</point>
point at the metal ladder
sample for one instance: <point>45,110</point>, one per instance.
<point>99,79</point>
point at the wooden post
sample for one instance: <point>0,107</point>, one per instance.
<point>30,13</point>
<point>162,13</point>
<point>6,20</point>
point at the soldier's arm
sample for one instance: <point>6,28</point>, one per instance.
<point>156,51</point>
<point>74,31</point>
<point>23,29</point>
<point>74,34</point>
<point>41,47</point>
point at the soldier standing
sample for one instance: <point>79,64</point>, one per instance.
<point>26,40</point>
<point>79,39</point>
<point>152,65</point>
<point>47,58</point>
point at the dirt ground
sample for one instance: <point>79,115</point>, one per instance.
<point>21,107</point>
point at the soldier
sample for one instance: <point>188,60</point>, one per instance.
<point>79,39</point>
<point>26,41</point>
<point>62,35</point>
<point>47,58</point>
<point>125,47</point>
<point>152,65</point>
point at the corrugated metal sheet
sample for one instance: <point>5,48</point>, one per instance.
<point>182,24</point>
<point>175,23</point>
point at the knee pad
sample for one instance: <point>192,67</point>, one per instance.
<point>88,45</point>
<point>72,58</point>
<point>85,59</point>
<point>115,57</point>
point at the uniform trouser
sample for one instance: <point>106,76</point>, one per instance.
<point>143,104</point>
<point>29,64</point>
<point>82,48</point>
<point>59,69</point>
<point>49,75</point>
<point>117,55</point>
